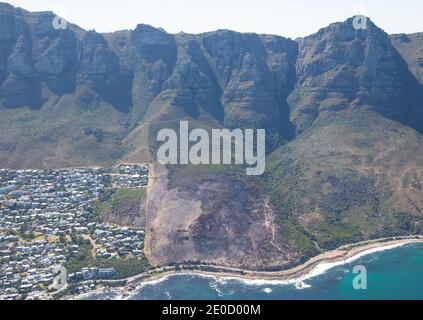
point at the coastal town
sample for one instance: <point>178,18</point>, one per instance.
<point>49,225</point>
<point>48,219</point>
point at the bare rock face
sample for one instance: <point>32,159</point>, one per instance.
<point>151,53</point>
<point>219,220</point>
<point>99,66</point>
<point>153,44</point>
<point>20,76</point>
<point>239,80</point>
<point>340,67</point>
<point>56,58</point>
<point>410,46</point>
<point>255,74</point>
<point>192,82</point>
<point>20,61</point>
<point>36,56</point>
<point>19,86</point>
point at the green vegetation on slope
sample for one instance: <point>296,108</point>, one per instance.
<point>353,176</point>
<point>122,206</point>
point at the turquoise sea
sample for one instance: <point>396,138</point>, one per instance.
<point>392,274</point>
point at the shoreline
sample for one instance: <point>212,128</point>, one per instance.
<point>314,267</point>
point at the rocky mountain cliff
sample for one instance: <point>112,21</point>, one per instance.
<point>410,46</point>
<point>343,111</point>
<point>340,68</point>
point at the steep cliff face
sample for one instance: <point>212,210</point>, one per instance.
<point>36,60</point>
<point>255,74</point>
<point>39,62</point>
<point>232,78</point>
<point>340,68</point>
<point>343,111</point>
<point>410,46</point>
<point>100,68</point>
<point>18,86</point>
<point>236,79</point>
<point>224,78</point>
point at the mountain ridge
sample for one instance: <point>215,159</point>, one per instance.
<point>342,108</point>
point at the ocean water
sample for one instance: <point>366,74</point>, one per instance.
<point>396,273</point>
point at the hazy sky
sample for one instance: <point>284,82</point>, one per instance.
<point>292,18</point>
